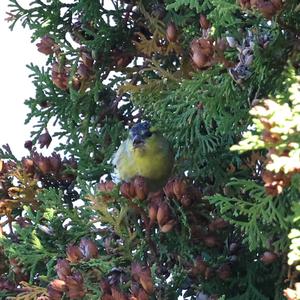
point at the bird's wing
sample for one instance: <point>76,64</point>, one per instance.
<point>124,162</point>
<point>117,155</point>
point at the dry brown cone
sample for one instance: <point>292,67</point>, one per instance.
<point>211,241</point>
<point>60,76</point>
<point>168,226</point>
<point>42,163</point>
<point>204,23</point>
<point>87,58</point>
<point>168,189</point>
<point>6,207</point>
<point>218,224</point>
<point>118,295</point>
<point>171,32</point>
<point>46,45</point>
<point>268,257</point>
<point>202,53</point>
<point>266,8</point>
<point>5,284</point>
<point>56,288</point>
<point>74,254</point>
<point>224,272</point>
<point>145,280</point>
<point>200,264</point>
<point>278,4</point>
<point>127,190</point>
<point>45,139</point>
<point>88,248</point>
<point>139,295</point>
<point>152,211</point>
<point>140,187</point>
<point>75,286</point>
<point>275,182</point>
<point>53,293</point>
<point>180,187</point>
<point>63,269</point>
<point>106,187</point>
<point>163,213</point>
<point>3,167</point>
<point>142,274</point>
<point>55,163</point>
<point>199,267</point>
<point>59,285</point>
<point>154,201</point>
<point>120,59</point>
<point>28,165</point>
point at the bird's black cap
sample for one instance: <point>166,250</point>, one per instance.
<point>139,132</point>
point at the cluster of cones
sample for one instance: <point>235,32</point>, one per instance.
<point>176,188</point>
<point>202,268</point>
<point>206,51</point>
<point>84,72</point>
<point>69,281</point>
<point>38,165</point>
<point>159,208</point>
<point>60,75</point>
<point>60,71</point>
<point>268,8</point>
<point>202,52</point>
<point>275,182</point>
<point>141,284</point>
<point>19,274</point>
<point>225,270</point>
<point>203,49</point>
<point>19,184</point>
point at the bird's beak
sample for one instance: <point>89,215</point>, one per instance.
<point>137,141</point>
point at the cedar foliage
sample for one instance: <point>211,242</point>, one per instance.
<point>220,79</point>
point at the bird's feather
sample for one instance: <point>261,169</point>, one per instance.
<point>152,160</point>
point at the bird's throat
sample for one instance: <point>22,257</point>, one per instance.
<point>139,146</point>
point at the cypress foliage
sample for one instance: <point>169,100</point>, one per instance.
<point>221,80</point>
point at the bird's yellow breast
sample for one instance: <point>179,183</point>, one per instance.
<point>152,160</point>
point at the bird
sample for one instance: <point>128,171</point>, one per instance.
<point>146,153</point>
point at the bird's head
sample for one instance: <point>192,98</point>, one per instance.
<point>139,133</point>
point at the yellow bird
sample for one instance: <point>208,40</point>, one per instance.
<point>146,153</point>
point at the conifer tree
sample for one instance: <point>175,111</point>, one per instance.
<point>221,80</point>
